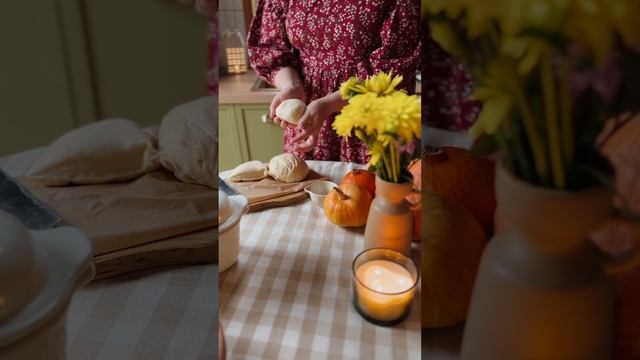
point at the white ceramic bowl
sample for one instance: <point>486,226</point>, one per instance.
<point>231,209</point>
<point>49,265</point>
<point>319,190</point>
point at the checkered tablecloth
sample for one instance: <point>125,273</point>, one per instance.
<point>162,314</point>
<point>289,294</point>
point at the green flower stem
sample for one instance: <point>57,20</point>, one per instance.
<point>566,122</point>
<point>535,140</point>
<point>395,163</point>
<point>550,107</point>
<point>385,161</point>
<point>517,148</point>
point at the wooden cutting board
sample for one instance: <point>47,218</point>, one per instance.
<point>196,248</point>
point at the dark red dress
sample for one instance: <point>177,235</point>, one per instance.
<point>328,41</point>
<point>446,87</point>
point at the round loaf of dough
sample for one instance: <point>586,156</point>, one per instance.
<point>288,168</point>
<point>188,142</point>
<point>291,110</point>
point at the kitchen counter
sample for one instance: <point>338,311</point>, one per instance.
<point>237,89</point>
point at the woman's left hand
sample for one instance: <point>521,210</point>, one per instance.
<point>313,118</point>
<point>310,124</point>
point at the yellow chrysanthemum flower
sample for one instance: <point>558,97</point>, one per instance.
<point>347,89</point>
<point>382,83</point>
<point>383,118</point>
<point>362,112</point>
<point>376,151</point>
<point>401,114</point>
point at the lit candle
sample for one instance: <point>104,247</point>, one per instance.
<point>384,288</point>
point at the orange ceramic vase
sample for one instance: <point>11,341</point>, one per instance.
<point>390,223</point>
<point>541,291</point>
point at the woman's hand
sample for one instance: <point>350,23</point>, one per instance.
<point>313,118</point>
<point>288,92</point>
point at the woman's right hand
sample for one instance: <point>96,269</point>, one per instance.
<point>288,92</point>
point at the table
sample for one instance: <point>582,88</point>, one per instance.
<point>289,294</point>
<point>161,314</point>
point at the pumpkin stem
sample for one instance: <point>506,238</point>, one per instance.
<point>434,153</point>
<point>433,150</point>
<point>341,193</point>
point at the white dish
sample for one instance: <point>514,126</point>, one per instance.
<point>233,207</point>
<point>51,265</point>
<point>319,190</point>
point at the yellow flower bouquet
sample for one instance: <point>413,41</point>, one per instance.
<point>548,74</point>
<point>387,120</point>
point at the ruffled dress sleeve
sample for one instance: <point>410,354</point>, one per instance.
<point>268,43</point>
<point>400,47</point>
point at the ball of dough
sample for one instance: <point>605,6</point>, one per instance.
<point>106,151</point>
<point>291,110</point>
<point>288,168</point>
<point>249,171</point>
<point>188,142</point>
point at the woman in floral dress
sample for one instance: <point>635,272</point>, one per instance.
<point>307,48</point>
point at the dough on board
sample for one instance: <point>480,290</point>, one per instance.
<point>249,171</point>
<point>188,142</point>
<point>288,168</point>
<point>106,151</point>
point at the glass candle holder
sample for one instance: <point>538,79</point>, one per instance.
<point>384,284</point>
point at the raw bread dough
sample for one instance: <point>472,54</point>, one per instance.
<point>188,142</point>
<point>249,171</point>
<point>102,152</point>
<point>288,168</point>
<point>291,110</point>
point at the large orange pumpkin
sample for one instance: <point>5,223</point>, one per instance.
<point>456,174</point>
<point>348,205</point>
<point>415,199</point>
<point>364,178</point>
<point>451,249</point>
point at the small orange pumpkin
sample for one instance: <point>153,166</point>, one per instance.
<point>364,178</point>
<point>348,205</point>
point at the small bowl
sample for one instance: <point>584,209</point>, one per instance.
<point>319,190</point>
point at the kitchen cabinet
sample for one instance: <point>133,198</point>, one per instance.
<point>68,63</point>
<point>245,136</point>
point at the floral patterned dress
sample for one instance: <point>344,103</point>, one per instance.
<point>328,41</point>
<point>446,87</point>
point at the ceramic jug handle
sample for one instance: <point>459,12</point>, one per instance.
<point>628,258</point>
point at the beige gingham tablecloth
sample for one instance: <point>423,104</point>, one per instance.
<point>161,314</point>
<point>289,296</point>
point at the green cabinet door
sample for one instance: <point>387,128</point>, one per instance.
<point>147,55</point>
<point>264,138</point>
<point>232,148</point>
<point>36,103</point>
